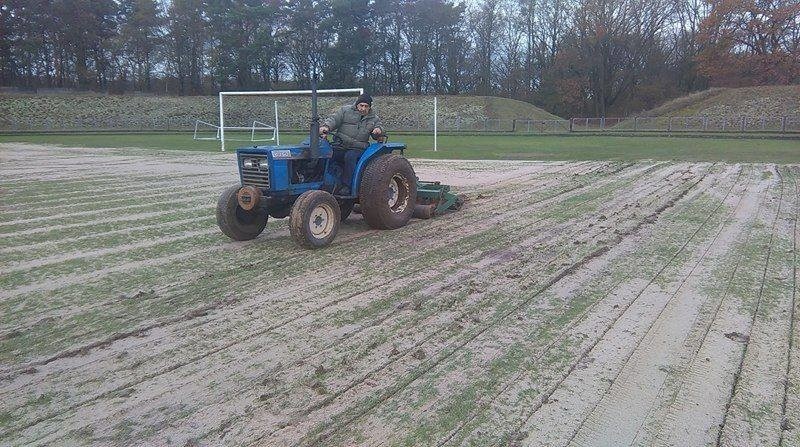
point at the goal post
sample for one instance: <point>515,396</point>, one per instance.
<point>223,95</point>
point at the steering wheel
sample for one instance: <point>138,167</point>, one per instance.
<point>380,138</point>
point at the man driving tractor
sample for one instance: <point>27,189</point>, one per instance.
<point>354,125</point>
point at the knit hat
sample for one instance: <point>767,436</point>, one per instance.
<point>364,98</point>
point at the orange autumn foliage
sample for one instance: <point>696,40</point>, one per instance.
<point>751,42</point>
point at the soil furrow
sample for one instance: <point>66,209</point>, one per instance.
<point>585,432</point>
<point>102,239</point>
<point>787,423</point>
<point>346,419</point>
<point>73,256</point>
<point>132,197</point>
<point>446,223</point>
<point>514,385</point>
<point>538,400</point>
<point>790,434</point>
<point>439,224</point>
<point>732,436</point>
<point>618,309</point>
<point>487,403</point>
<point>70,218</point>
<point>754,416</point>
<point>192,360</point>
<point>21,203</point>
<point>57,232</point>
<point>593,301</point>
<point>692,426</point>
<point>695,408</point>
<point>656,354</point>
<point>321,356</point>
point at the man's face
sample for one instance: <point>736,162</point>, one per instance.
<point>363,108</point>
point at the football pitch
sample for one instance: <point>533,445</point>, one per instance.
<point>652,302</point>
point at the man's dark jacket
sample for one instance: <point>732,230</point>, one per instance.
<point>353,128</point>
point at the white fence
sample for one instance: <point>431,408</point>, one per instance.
<point>773,124</point>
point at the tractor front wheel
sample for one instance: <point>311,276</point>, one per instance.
<point>315,219</point>
<point>234,221</point>
<point>388,192</point>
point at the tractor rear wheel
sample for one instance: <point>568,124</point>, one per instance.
<point>388,192</point>
<point>315,219</point>
<point>236,222</point>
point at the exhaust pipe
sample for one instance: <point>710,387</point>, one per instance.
<point>313,137</point>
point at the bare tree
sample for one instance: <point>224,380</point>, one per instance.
<point>485,20</point>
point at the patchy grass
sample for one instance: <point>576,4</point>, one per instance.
<point>494,147</point>
<point>773,100</point>
<point>141,111</point>
<point>414,331</point>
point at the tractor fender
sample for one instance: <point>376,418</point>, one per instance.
<point>372,151</point>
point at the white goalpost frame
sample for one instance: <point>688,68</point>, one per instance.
<point>222,95</point>
<point>197,124</point>
<point>257,126</point>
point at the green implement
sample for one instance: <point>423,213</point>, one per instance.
<point>434,198</point>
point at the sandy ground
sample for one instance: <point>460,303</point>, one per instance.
<point>568,303</point>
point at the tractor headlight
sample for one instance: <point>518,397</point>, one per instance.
<point>248,163</point>
<point>264,164</point>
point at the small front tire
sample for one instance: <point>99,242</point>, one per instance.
<point>235,222</point>
<point>314,221</point>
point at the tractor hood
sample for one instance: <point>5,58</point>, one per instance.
<point>287,152</point>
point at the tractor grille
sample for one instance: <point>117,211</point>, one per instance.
<point>257,175</point>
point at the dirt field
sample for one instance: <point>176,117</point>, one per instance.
<point>568,303</point>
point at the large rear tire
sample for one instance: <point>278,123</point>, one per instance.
<point>315,219</point>
<point>388,192</point>
<point>235,222</point>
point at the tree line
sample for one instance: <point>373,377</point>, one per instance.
<point>572,57</point>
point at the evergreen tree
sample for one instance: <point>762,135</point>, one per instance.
<point>140,34</point>
<point>185,43</point>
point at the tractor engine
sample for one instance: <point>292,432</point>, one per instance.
<point>304,171</point>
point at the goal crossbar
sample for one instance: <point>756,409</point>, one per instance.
<point>222,95</point>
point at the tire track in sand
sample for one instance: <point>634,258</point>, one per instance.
<point>624,405</point>
<point>330,429</point>
<point>721,434</point>
<point>514,386</point>
<point>683,417</point>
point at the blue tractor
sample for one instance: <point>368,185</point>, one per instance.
<point>304,183</point>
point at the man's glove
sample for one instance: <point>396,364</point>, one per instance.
<point>323,131</point>
<point>380,137</point>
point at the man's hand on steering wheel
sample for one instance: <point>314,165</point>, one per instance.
<point>323,131</point>
<point>378,135</point>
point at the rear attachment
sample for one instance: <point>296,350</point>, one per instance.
<point>433,198</point>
